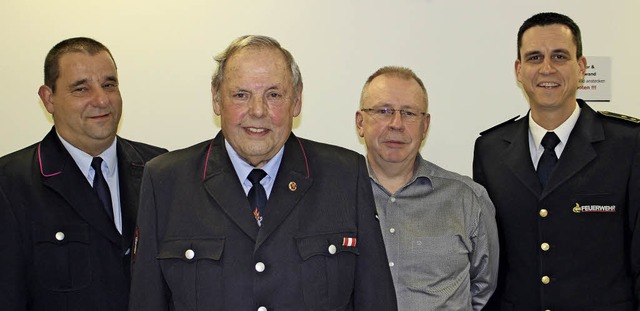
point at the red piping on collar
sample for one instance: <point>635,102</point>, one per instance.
<point>206,160</point>
<point>304,154</point>
<point>40,163</point>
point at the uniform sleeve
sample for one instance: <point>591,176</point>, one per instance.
<point>634,218</point>
<point>373,285</point>
<point>13,286</point>
<point>148,288</point>
<point>485,256</point>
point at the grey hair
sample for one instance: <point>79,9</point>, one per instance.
<point>395,71</point>
<point>255,41</point>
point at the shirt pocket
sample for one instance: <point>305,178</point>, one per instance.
<point>192,269</point>
<point>437,265</point>
<point>328,269</point>
<point>61,257</point>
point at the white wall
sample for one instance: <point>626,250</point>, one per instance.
<point>464,51</point>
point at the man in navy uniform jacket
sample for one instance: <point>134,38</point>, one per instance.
<point>62,248</point>
<point>565,181</point>
<point>316,245</point>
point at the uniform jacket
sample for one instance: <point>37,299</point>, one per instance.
<point>59,250</point>
<point>201,249</point>
<point>581,234</point>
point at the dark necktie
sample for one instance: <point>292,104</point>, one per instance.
<point>257,195</point>
<point>101,187</point>
<point>548,159</point>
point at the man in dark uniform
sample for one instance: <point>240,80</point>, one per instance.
<point>66,245</point>
<point>565,181</point>
<point>257,218</point>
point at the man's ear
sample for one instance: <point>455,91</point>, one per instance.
<point>46,96</point>
<point>215,97</point>
<point>359,120</point>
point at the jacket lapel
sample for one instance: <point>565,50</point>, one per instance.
<point>579,150</point>
<point>60,173</point>
<point>221,182</point>
<point>518,157</point>
<point>130,168</point>
<point>291,184</point>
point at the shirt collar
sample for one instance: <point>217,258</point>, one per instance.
<point>421,170</point>
<point>83,159</point>
<point>563,131</point>
<point>243,168</point>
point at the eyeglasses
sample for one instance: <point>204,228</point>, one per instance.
<point>386,114</point>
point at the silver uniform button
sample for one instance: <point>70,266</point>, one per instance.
<point>59,236</point>
<point>391,264</point>
<point>260,267</point>
<point>393,199</point>
<point>262,309</point>
<point>392,230</point>
<point>189,254</point>
<point>332,249</point>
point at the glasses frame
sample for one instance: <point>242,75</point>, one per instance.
<point>386,114</point>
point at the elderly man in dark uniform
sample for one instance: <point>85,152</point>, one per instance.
<point>257,218</point>
<point>565,181</point>
<point>68,204</point>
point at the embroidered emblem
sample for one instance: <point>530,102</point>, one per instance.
<point>257,216</point>
<point>594,209</point>
<point>135,244</point>
<point>349,242</point>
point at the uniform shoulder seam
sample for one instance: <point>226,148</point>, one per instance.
<point>500,125</point>
<point>619,116</point>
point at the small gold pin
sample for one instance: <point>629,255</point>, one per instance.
<point>293,186</point>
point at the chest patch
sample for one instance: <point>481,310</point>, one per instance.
<point>594,209</point>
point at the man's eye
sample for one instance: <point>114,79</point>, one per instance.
<point>240,95</point>
<point>274,95</point>
<point>559,57</point>
<point>79,89</point>
<point>534,58</point>
<point>384,111</point>
<point>408,113</point>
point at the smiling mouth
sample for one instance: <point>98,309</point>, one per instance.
<point>548,85</point>
<point>254,130</point>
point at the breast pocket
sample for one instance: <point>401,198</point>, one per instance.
<point>192,269</point>
<point>328,269</point>
<point>437,265</point>
<point>61,257</point>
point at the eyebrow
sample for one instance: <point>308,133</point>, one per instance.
<point>537,52</point>
<point>112,78</point>
<point>77,83</point>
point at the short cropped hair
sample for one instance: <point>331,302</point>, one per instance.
<point>72,45</point>
<point>551,18</point>
<point>395,71</point>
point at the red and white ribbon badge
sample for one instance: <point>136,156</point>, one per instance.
<point>349,242</point>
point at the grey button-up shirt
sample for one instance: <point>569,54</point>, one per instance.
<point>441,239</point>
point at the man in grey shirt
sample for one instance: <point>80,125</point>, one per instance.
<point>439,227</point>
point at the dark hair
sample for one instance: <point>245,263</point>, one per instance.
<point>72,45</point>
<point>255,41</point>
<point>551,18</point>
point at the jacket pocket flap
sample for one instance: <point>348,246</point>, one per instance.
<point>328,244</point>
<point>63,234</point>
<point>192,249</point>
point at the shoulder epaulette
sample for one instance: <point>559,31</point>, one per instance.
<point>500,125</point>
<point>619,116</point>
